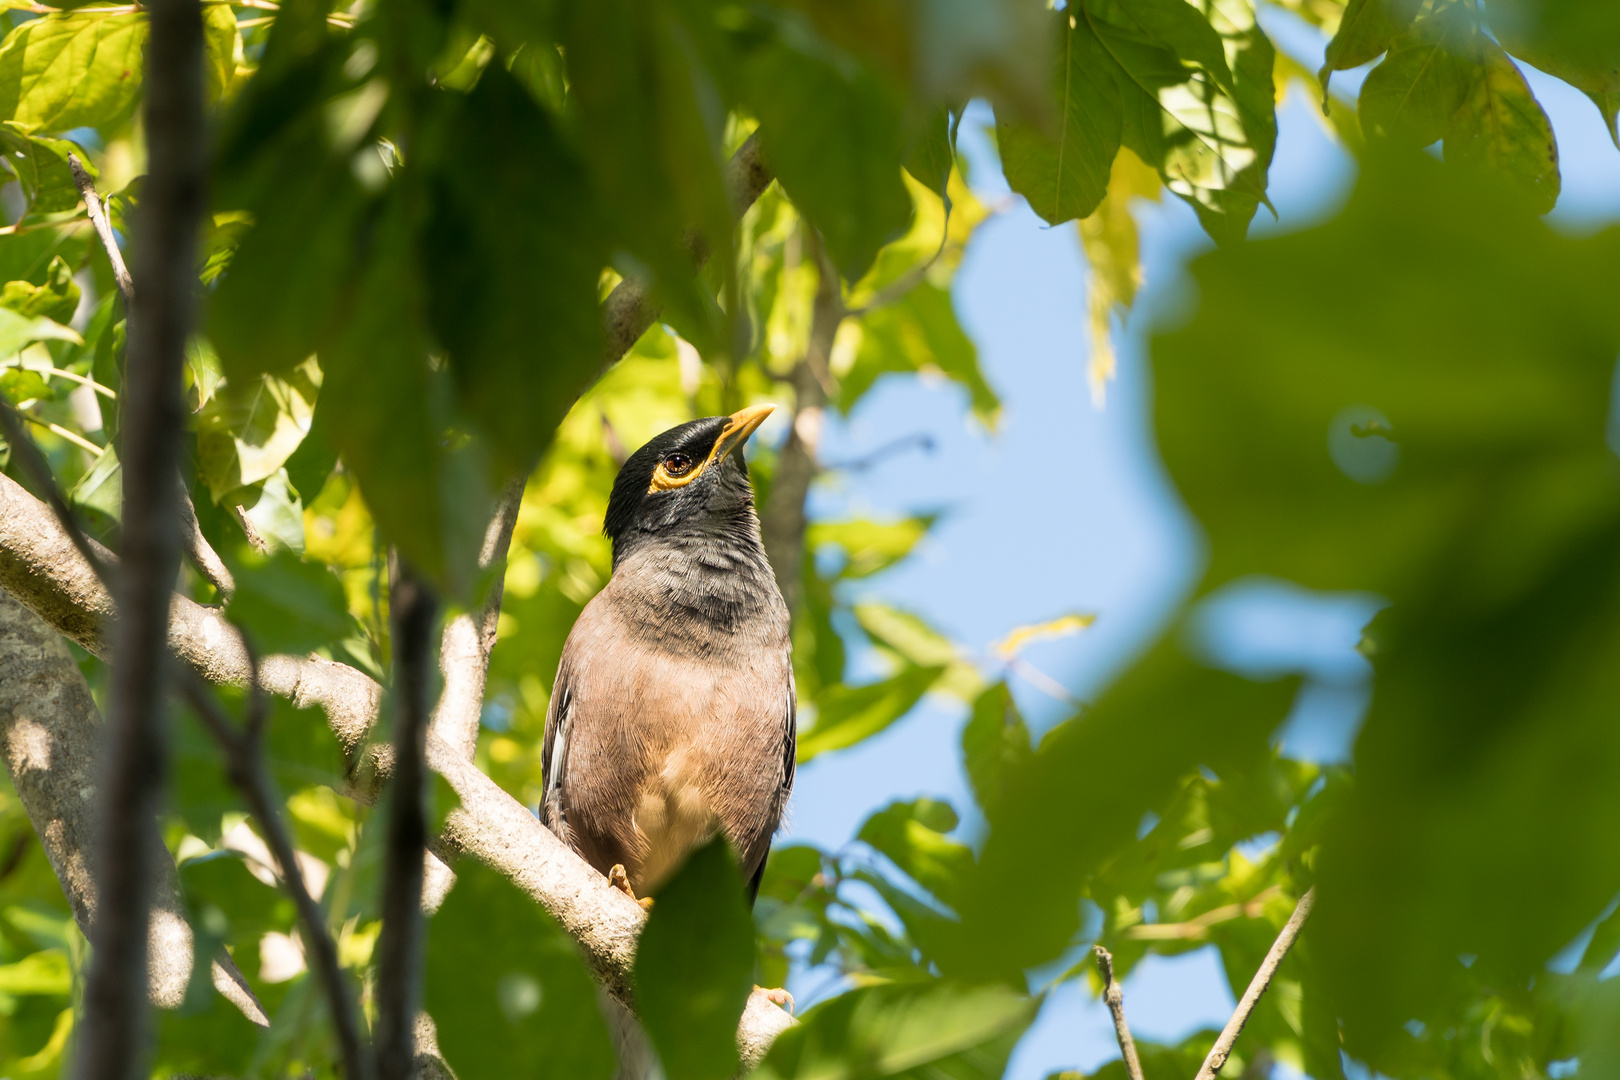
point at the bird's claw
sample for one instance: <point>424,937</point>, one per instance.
<point>618,879</point>
<point>779,997</point>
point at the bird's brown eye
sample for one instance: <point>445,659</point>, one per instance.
<point>677,464</point>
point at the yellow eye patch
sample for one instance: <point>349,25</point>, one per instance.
<point>678,469</point>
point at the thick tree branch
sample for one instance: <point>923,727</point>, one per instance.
<point>244,763</point>
<point>1115,998</point>
<point>113,1044</point>
<point>399,947</point>
<point>1257,986</point>
<point>469,638</point>
<point>50,732</point>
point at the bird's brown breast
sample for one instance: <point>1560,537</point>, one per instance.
<point>676,723</point>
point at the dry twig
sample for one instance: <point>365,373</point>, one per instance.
<point>1257,986</point>
<point>244,764</point>
<point>1115,997</point>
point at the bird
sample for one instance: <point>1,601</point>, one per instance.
<point>673,712</point>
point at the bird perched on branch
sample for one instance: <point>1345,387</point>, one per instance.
<point>673,712</point>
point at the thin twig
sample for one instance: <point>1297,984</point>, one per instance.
<point>57,429</point>
<point>98,218</point>
<point>244,763</point>
<point>197,548</point>
<point>399,945</point>
<point>1115,997</point>
<point>255,540</point>
<point>1257,986</point>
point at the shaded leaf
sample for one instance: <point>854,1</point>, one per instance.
<point>1064,173</point>
<point>995,742</point>
<point>912,836</point>
<point>694,966</point>
<point>890,1030</point>
<point>506,987</point>
<point>834,135</point>
<point>287,605</point>
<point>1412,95</point>
<point>1501,127</point>
<point>513,295</point>
<point>1367,29</point>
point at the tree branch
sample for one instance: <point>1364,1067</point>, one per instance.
<point>244,764</point>
<point>39,566</point>
<point>1257,986</point>
<point>399,947</point>
<point>1115,997</point>
<point>113,1041</point>
<point>50,732</point>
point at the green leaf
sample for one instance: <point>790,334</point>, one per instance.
<point>102,488</point>
<point>932,153</point>
<point>390,411</point>
<point>918,332</point>
<point>892,1030</point>
<point>28,256</point>
<point>650,122</point>
<point>17,331</point>
<point>1197,100</point>
<point>1064,174</point>
<point>1494,537</point>
<point>869,546</point>
<point>1573,42</point>
<point>221,45</point>
<point>694,966</point>
<point>1411,97</point>
<point>506,987</point>
<point>247,431</point>
<point>45,972</point>
<point>912,836</point>
<point>995,743</point>
<point>56,300</point>
<point>274,509</point>
<point>72,70</point>
<point>21,384</point>
<point>41,168</point>
<point>513,295</point>
<point>1501,127</point>
<point>834,135</point>
<point>846,715</point>
<point>1084,792</point>
<point>287,605</point>
<point>1367,29</point>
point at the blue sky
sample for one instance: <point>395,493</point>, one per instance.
<point>1067,508</point>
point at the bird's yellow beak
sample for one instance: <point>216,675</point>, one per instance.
<point>743,422</point>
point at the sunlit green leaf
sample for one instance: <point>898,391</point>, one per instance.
<point>76,69</point>
<point>846,715</point>
<point>287,605</point>
<point>1501,127</point>
<point>250,429</point>
<point>912,836</point>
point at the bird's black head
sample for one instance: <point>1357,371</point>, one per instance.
<point>690,479</point>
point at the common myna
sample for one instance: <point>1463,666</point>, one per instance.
<point>673,709</point>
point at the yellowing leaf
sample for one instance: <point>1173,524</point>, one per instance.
<point>1062,627</point>
<point>1110,242</point>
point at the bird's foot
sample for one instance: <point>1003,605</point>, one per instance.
<point>778,997</point>
<point>618,879</point>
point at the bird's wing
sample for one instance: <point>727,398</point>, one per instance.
<point>790,760</point>
<point>554,751</point>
